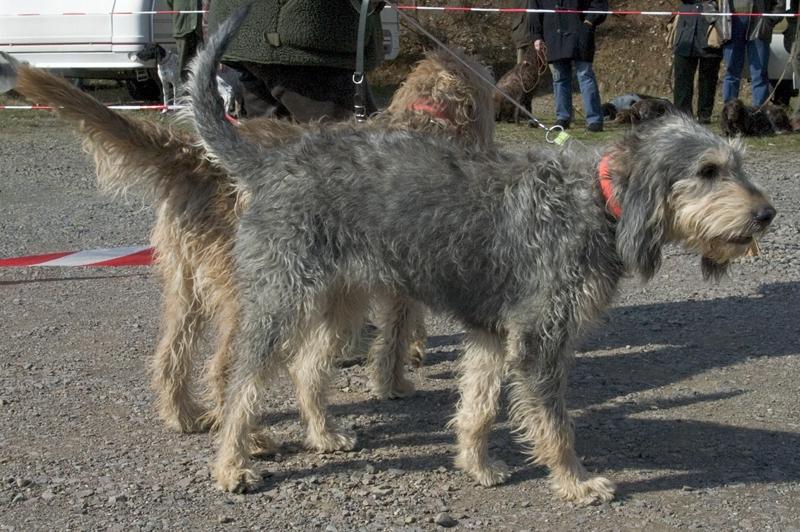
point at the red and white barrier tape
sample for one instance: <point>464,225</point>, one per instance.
<point>464,9</point>
<point>93,258</point>
<point>155,107</point>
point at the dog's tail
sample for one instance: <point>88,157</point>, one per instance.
<point>221,139</point>
<point>150,159</point>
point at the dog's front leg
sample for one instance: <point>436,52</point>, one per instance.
<point>165,94</point>
<point>537,363</point>
<point>398,326</point>
<point>480,384</point>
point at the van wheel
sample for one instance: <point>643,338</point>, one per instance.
<point>146,91</point>
<point>783,93</point>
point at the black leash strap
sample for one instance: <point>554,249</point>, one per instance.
<point>360,98</point>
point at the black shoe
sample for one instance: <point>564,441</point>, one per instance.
<point>595,128</point>
<point>563,123</point>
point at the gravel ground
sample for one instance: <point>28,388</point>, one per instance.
<point>687,395</point>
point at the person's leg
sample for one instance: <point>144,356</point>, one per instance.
<point>312,93</point>
<point>590,93</point>
<point>708,74</point>
<point>562,89</point>
<point>522,53</point>
<point>683,85</point>
<point>257,98</point>
<point>733,54</point>
<point>758,56</point>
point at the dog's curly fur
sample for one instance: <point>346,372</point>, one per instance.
<point>738,118</point>
<point>197,209</point>
<point>519,246</point>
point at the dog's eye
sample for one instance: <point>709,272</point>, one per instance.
<point>709,171</point>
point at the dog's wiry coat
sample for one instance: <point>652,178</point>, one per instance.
<point>197,206</point>
<point>519,247</point>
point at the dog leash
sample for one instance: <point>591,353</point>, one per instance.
<point>553,135</point>
<point>360,95</point>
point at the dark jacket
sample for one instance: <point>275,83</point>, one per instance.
<point>567,35</point>
<point>691,33</point>
<point>300,32</point>
<point>790,32</point>
<point>758,27</point>
<point>520,24</point>
<point>184,24</point>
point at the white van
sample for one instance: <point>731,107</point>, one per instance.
<point>98,39</point>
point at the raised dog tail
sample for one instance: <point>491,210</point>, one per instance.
<point>221,139</point>
<point>145,157</point>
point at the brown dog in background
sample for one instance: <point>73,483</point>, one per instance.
<point>738,118</point>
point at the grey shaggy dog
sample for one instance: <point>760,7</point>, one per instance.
<point>521,248</point>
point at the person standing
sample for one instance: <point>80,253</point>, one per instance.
<point>748,34</point>
<point>187,29</point>
<point>301,55</point>
<point>694,54</point>
<point>570,39</point>
<point>521,30</point>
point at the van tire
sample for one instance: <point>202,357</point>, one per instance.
<point>784,91</point>
<point>145,91</point>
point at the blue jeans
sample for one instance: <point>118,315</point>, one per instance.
<point>562,87</point>
<point>733,54</point>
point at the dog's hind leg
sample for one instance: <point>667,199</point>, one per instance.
<point>261,336</point>
<point>329,331</point>
<point>482,371</point>
<point>538,360</point>
<point>172,363</point>
<point>398,323</point>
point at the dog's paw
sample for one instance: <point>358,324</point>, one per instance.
<point>489,472</point>
<point>417,351</point>
<point>188,418</point>
<point>236,479</point>
<point>397,389</point>
<point>262,444</point>
<point>331,441</point>
<point>8,72</point>
<point>592,490</point>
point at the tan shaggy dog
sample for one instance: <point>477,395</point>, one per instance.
<point>197,208</point>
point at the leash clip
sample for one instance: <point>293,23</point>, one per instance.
<point>561,136</point>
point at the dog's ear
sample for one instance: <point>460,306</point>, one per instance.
<point>161,52</point>
<point>641,228</point>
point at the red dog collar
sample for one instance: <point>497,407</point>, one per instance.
<point>606,187</point>
<point>427,106</point>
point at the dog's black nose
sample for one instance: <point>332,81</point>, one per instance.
<point>765,214</point>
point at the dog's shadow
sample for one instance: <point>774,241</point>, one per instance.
<point>615,432</point>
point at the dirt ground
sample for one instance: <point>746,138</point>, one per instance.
<point>686,396</point>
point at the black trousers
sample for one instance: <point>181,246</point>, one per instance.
<point>707,69</point>
<point>302,93</point>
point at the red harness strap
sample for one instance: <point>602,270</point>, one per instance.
<point>427,106</point>
<point>606,187</point>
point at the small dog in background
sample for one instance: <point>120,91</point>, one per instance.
<point>169,73</point>
<point>645,109</point>
<point>519,83</point>
<point>232,91</point>
<point>737,118</point>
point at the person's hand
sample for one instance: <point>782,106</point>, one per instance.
<point>538,44</point>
